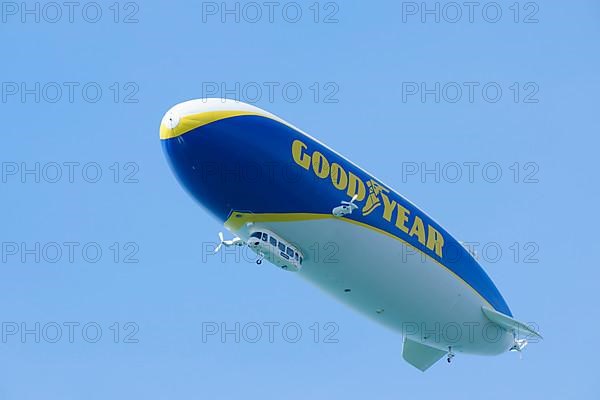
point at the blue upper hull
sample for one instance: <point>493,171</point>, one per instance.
<point>255,164</point>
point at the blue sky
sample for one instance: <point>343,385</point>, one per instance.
<point>159,290</point>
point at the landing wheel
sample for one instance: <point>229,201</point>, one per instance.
<point>450,355</point>
<point>259,262</point>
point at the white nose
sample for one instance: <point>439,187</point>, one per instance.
<point>189,115</point>
<point>171,119</point>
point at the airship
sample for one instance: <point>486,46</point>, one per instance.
<point>279,191</point>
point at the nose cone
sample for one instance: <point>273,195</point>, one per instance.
<point>190,115</point>
<point>169,123</point>
<point>201,138</point>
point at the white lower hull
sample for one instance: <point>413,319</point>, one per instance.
<point>393,285</point>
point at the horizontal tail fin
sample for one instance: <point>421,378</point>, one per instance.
<point>420,355</point>
<point>508,323</point>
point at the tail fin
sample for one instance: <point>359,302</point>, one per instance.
<point>420,355</point>
<point>508,323</point>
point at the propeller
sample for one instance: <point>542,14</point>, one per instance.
<point>351,202</point>
<point>223,242</point>
<point>518,346</point>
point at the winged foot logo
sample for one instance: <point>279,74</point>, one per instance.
<point>374,199</point>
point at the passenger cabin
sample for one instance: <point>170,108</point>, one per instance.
<point>278,251</point>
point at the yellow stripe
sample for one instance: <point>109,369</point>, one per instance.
<point>191,122</point>
<point>238,219</point>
